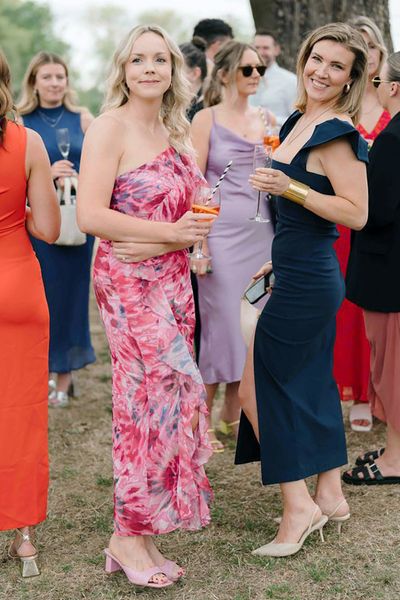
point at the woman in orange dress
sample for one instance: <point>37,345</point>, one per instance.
<point>24,329</point>
<point>351,352</point>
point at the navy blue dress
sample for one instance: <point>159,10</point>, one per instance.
<point>299,413</point>
<point>65,269</point>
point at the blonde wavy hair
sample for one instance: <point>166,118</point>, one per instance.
<point>368,26</point>
<point>30,100</point>
<point>351,39</point>
<point>226,62</point>
<point>6,102</point>
<point>176,99</point>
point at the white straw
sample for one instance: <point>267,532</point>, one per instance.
<point>228,166</point>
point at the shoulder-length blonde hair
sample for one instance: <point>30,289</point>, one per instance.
<point>366,25</point>
<point>175,100</point>
<point>348,102</point>
<point>226,62</point>
<point>29,100</point>
<point>6,102</point>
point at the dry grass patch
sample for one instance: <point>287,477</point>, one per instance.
<point>363,564</point>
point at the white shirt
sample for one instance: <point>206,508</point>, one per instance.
<point>277,91</point>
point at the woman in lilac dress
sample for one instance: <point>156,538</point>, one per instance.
<point>228,130</point>
<point>137,180</point>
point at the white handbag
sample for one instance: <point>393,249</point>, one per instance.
<point>70,234</point>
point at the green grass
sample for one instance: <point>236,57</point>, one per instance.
<point>361,564</point>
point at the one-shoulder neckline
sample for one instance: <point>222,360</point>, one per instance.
<point>149,162</point>
<point>243,139</point>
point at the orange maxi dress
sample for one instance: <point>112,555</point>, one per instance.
<point>24,340</point>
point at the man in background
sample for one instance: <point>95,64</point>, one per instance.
<point>278,88</point>
<point>215,33</point>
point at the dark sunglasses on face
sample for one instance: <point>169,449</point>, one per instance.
<point>247,70</point>
<point>377,81</point>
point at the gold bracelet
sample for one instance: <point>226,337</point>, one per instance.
<point>297,192</point>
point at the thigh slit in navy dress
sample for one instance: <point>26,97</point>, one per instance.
<point>299,413</point>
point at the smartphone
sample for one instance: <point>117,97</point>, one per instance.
<point>259,288</point>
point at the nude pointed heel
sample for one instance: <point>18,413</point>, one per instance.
<point>29,565</point>
<point>288,549</point>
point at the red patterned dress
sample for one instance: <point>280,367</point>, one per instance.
<point>351,351</point>
<point>148,313</point>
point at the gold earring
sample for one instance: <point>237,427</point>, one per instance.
<point>346,88</point>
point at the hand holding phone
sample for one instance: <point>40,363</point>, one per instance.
<point>259,288</point>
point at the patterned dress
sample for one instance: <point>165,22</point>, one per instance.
<point>148,313</point>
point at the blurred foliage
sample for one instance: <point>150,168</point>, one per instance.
<point>25,29</point>
<point>108,24</point>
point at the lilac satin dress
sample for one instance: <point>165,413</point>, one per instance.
<point>238,248</point>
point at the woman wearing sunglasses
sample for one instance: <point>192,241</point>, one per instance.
<point>373,284</point>
<point>292,418</point>
<point>351,351</point>
<point>228,130</point>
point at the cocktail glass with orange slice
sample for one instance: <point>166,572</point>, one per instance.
<point>271,137</point>
<point>207,202</point>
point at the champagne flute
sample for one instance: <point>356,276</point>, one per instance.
<point>262,158</point>
<point>63,142</point>
<point>207,202</point>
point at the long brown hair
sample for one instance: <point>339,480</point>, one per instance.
<point>6,102</point>
<point>226,62</point>
<point>351,39</point>
<point>29,100</point>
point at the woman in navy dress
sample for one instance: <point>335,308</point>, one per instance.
<point>291,418</point>
<point>47,104</point>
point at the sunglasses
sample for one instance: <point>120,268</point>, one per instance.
<point>377,81</point>
<point>247,70</point>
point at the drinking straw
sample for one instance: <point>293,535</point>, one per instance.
<point>213,191</point>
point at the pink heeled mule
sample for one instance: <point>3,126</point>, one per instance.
<point>141,578</point>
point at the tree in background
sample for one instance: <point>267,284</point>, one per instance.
<point>292,20</point>
<point>25,29</point>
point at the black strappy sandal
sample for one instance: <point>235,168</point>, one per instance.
<point>369,457</point>
<point>371,475</point>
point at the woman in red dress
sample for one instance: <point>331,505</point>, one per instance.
<point>24,329</point>
<point>351,352</point>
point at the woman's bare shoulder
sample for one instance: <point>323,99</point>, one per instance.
<point>33,137</point>
<point>203,116</point>
<point>106,126</point>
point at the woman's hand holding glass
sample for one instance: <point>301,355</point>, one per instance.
<point>192,228</point>
<point>62,168</point>
<point>270,181</point>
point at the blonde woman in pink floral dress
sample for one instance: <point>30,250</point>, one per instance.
<point>137,178</point>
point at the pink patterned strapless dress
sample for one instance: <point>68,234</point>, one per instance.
<point>148,313</point>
